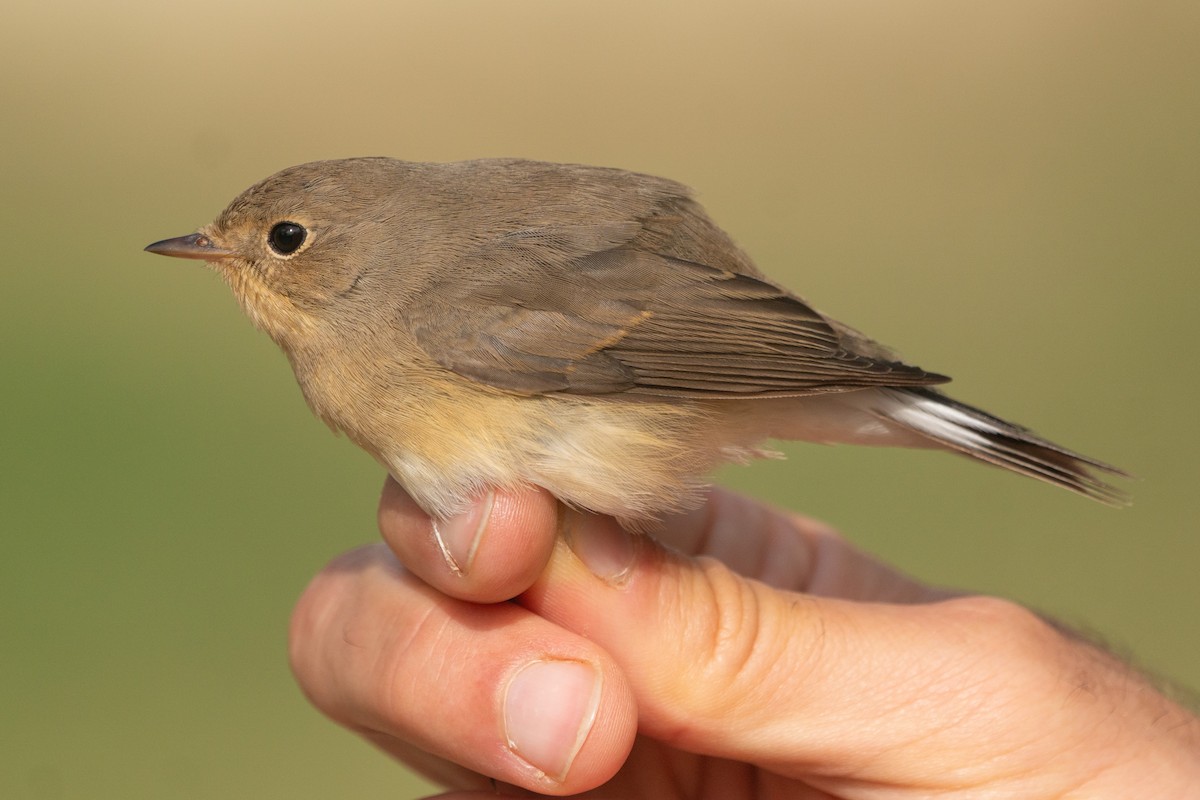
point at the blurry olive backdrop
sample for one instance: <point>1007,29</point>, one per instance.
<point>1006,192</point>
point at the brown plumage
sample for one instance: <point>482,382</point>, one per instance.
<point>589,330</point>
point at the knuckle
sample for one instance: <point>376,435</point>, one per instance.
<point>1007,624</point>
<point>320,619</point>
<point>735,645</point>
<point>1014,649</point>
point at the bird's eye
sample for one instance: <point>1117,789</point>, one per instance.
<point>286,237</point>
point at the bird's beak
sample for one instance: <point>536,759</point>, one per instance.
<point>195,245</point>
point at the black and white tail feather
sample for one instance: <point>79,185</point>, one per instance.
<point>980,435</point>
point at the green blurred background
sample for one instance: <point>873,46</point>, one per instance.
<point>1007,192</point>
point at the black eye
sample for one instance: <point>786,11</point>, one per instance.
<point>286,237</point>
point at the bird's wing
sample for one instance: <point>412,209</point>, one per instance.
<point>584,310</point>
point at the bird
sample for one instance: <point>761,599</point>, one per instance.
<point>503,323</point>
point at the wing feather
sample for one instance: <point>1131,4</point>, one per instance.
<point>582,311</point>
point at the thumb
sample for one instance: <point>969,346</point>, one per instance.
<point>805,686</point>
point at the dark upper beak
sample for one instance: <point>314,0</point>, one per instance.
<point>195,245</point>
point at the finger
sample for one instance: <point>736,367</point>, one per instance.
<point>492,688</point>
<point>729,667</point>
<point>491,552</point>
<point>787,551</point>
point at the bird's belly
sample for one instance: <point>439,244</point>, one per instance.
<point>629,458</point>
<point>448,440</point>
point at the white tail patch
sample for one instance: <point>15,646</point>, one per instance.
<point>980,435</point>
<point>937,419</point>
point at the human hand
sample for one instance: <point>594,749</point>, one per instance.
<point>762,657</point>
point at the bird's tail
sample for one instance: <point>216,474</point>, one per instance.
<point>975,433</point>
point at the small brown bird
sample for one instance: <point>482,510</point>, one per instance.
<point>499,323</point>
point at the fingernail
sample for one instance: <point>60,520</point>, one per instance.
<point>549,709</point>
<point>601,544</point>
<point>458,537</point>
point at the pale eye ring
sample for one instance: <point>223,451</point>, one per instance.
<point>285,238</point>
